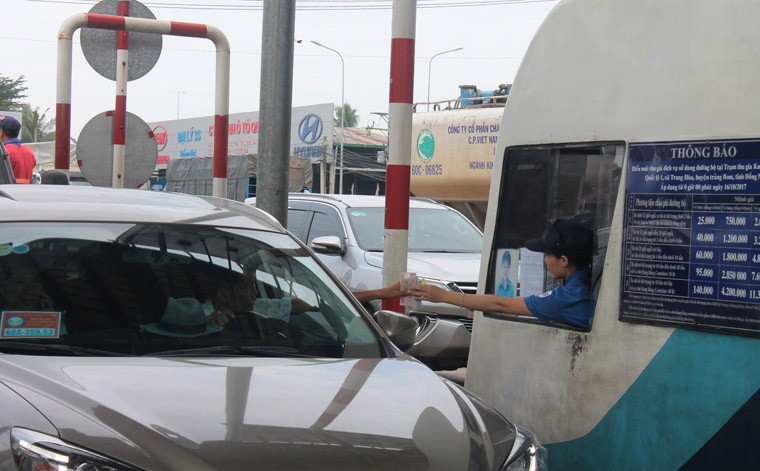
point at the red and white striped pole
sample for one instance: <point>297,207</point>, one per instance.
<point>144,25</point>
<point>396,243</point>
<point>120,107</point>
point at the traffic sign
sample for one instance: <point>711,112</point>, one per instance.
<point>95,151</point>
<point>99,45</point>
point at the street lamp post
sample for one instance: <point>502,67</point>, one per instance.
<point>430,62</point>
<point>342,111</point>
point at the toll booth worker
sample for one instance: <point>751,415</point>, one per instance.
<point>567,249</point>
<point>22,157</point>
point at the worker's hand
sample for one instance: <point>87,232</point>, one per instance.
<point>428,293</point>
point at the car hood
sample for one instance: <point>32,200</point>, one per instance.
<point>460,267</point>
<point>245,413</point>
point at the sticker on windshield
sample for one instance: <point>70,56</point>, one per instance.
<point>358,213</point>
<point>9,248</point>
<point>30,324</point>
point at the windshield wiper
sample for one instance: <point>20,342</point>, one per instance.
<point>223,350</point>
<point>56,349</point>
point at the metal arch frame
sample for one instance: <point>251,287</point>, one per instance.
<point>144,25</point>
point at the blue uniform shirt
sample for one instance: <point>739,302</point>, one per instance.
<point>572,303</point>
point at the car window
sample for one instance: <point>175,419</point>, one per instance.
<point>297,220</point>
<point>577,182</point>
<point>430,230</point>
<point>144,289</point>
<point>326,222</point>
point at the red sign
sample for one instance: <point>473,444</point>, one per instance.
<point>159,132</point>
<point>30,324</point>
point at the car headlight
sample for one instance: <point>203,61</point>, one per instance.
<point>34,451</point>
<point>514,448</point>
<point>527,454</point>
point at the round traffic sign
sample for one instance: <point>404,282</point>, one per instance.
<point>99,45</point>
<point>95,151</point>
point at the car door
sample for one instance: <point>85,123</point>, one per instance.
<point>326,221</point>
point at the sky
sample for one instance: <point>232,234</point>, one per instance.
<point>493,35</point>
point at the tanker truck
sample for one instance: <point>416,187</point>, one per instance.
<point>453,149</point>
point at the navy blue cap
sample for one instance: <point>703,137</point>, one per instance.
<point>564,238</point>
<point>10,126</point>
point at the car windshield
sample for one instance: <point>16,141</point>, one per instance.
<point>430,230</point>
<point>162,289</point>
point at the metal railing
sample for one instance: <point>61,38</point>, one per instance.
<point>494,101</point>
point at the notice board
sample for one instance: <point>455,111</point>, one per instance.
<point>691,246</point>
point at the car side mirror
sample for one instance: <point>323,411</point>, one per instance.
<point>400,328</point>
<point>328,245</point>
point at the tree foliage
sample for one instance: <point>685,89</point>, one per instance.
<point>11,93</point>
<point>36,126</point>
<point>351,117</point>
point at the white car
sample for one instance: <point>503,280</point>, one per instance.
<point>346,232</point>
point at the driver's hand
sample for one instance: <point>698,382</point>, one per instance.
<point>299,306</point>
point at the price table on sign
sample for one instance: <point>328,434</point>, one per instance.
<point>691,249</point>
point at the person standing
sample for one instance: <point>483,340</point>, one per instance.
<point>22,157</point>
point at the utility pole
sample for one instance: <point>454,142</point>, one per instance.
<point>275,107</point>
<point>395,239</point>
<point>323,167</point>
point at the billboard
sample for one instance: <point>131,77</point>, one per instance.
<point>194,137</point>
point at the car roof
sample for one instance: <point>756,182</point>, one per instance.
<point>90,203</point>
<point>363,201</point>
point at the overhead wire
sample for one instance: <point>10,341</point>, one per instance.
<point>318,5</point>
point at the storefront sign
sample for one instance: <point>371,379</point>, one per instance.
<point>194,137</point>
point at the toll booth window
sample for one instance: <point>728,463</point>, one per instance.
<point>540,185</point>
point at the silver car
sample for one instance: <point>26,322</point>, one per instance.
<point>346,232</point>
<point>142,330</point>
